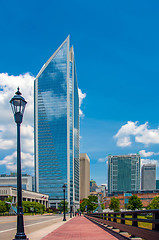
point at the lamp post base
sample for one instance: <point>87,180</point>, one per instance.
<point>64,219</point>
<point>20,237</point>
<point>20,234</point>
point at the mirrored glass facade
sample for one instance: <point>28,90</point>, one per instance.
<point>123,173</point>
<point>57,127</point>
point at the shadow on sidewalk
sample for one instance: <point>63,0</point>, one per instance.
<point>114,234</point>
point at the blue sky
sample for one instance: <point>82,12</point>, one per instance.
<point>117,59</point>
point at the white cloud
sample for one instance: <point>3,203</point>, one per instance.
<point>123,142</point>
<point>149,161</point>
<point>103,159</point>
<point>142,134</point>
<point>143,153</point>
<point>81,97</point>
<point>11,161</point>
<point>8,87</point>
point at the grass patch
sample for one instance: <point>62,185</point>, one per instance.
<point>140,224</point>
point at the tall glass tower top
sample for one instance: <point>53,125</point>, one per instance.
<point>123,173</point>
<point>57,127</point>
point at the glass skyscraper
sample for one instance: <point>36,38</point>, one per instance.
<point>148,177</point>
<point>123,173</point>
<point>56,107</point>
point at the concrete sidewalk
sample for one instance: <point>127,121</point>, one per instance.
<point>79,228</point>
<point>40,234</point>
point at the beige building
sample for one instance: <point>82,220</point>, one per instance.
<point>84,176</point>
<point>6,191</point>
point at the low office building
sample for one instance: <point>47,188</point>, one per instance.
<point>102,189</point>
<point>6,191</point>
<point>100,192</point>
<point>11,180</point>
<point>145,196</point>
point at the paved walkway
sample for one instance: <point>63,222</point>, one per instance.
<point>79,228</point>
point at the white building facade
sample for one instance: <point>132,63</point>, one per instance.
<point>9,180</point>
<point>6,191</point>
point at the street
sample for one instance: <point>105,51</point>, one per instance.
<point>31,224</point>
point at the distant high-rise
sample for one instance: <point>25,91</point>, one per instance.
<point>123,173</point>
<point>84,176</point>
<point>57,127</point>
<point>148,177</point>
<point>157,184</point>
<point>93,186</point>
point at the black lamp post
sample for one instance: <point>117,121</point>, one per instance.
<point>71,211</point>
<point>64,189</point>
<point>18,104</point>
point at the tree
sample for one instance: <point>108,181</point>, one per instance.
<point>114,204</point>
<point>40,208</point>
<point>3,207</point>
<point>89,204</point>
<point>83,205</point>
<point>154,204</point>
<point>9,199</point>
<point>134,203</point>
<point>33,207</point>
<point>52,210</point>
<point>61,206</point>
<point>26,206</point>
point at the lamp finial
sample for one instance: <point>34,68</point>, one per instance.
<point>18,92</point>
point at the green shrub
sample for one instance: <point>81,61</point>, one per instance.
<point>35,207</point>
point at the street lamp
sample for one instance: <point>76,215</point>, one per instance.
<point>70,211</point>
<point>64,189</point>
<point>18,104</point>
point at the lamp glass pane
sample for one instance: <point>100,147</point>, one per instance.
<point>17,102</point>
<point>12,106</point>
<point>18,105</point>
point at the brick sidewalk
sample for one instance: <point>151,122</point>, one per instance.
<point>79,228</point>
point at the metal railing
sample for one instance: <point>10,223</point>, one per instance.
<point>130,221</point>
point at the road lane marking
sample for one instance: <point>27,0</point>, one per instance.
<point>7,222</point>
<point>24,226</point>
<point>7,230</point>
<point>25,220</point>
